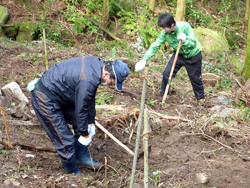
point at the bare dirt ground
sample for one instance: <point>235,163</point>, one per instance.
<point>184,142</point>
<point>181,148</point>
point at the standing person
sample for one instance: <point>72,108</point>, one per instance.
<point>189,54</point>
<point>65,94</point>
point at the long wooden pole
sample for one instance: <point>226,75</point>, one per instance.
<point>171,72</point>
<point>114,138</point>
<point>138,132</point>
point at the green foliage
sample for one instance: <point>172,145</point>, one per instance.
<point>152,102</point>
<point>134,25</point>
<point>3,151</point>
<point>156,176</point>
<point>103,98</point>
<point>245,114</point>
<point>80,22</point>
<point>196,15</point>
<point>52,33</point>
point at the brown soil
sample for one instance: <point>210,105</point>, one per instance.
<point>180,149</point>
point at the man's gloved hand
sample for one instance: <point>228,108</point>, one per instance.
<point>91,129</point>
<point>182,37</point>
<point>85,140</point>
<point>140,65</point>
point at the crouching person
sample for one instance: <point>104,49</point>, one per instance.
<point>65,94</point>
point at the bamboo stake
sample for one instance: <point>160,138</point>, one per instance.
<point>145,143</point>
<point>138,132</point>
<point>114,138</point>
<point>45,50</point>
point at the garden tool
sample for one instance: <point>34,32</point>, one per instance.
<point>171,72</point>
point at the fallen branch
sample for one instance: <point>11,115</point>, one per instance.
<point>136,112</point>
<point>6,126</point>
<point>101,27</point>
<point>19,122</point>
<point>32,146</point>
<point>169,117</point>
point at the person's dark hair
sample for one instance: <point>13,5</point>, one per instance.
<point>109,68</point>
<point>166,20</point>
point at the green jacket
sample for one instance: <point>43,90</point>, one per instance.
<point>188,49</point>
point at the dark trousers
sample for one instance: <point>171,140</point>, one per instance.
<point>194,69</point>
<point>54,119</point>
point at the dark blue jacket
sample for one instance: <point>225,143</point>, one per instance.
<point>74,82</point>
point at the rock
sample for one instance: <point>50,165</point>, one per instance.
<point>8,182</point>
<point>227,112</point>
<point>14,89</point>
<point>16,183</point>
<point>22,110</point>
<point>224,100</point>
<point>169,173</point>
<point>202,178</point>
<point>211,41</point>
<point>137,185</point>
<point>11,32</point>
<point>5,103</point>
<point>27,31</point>
<point>4,15</point>
<point>216,108</point>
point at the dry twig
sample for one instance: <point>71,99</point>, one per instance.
<point>6,126</point>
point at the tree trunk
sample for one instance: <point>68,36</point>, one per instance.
<point>105,13</point>
<point>246,16</point>
<point>246,69</point>
<point>152,6</point>
<point>247,10</point>
<point>180,11</point>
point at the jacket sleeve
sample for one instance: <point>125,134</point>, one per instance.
<point>84,105</point>
<point>190,43</point>
<point>92,111</point>
<point>155,46</point>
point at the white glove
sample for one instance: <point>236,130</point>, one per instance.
<point>182,37</point>
<point>85,140</point>
<point>91,130</point>
<point>140,65</point>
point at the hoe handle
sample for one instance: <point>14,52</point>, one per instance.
<point>171,73</point>
<point>114,138</point>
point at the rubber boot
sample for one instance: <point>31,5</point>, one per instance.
<point>82,157</point>
<point>70,166</point>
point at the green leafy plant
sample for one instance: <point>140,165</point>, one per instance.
<point>151,102</point>
<point>156,177</point>
<point>103,98</point>
<point>3,151</point>
<point>245,114</point>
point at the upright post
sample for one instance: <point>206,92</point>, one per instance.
<point>139,131</point>
<point>145,143</point>
<point>45,50</point>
